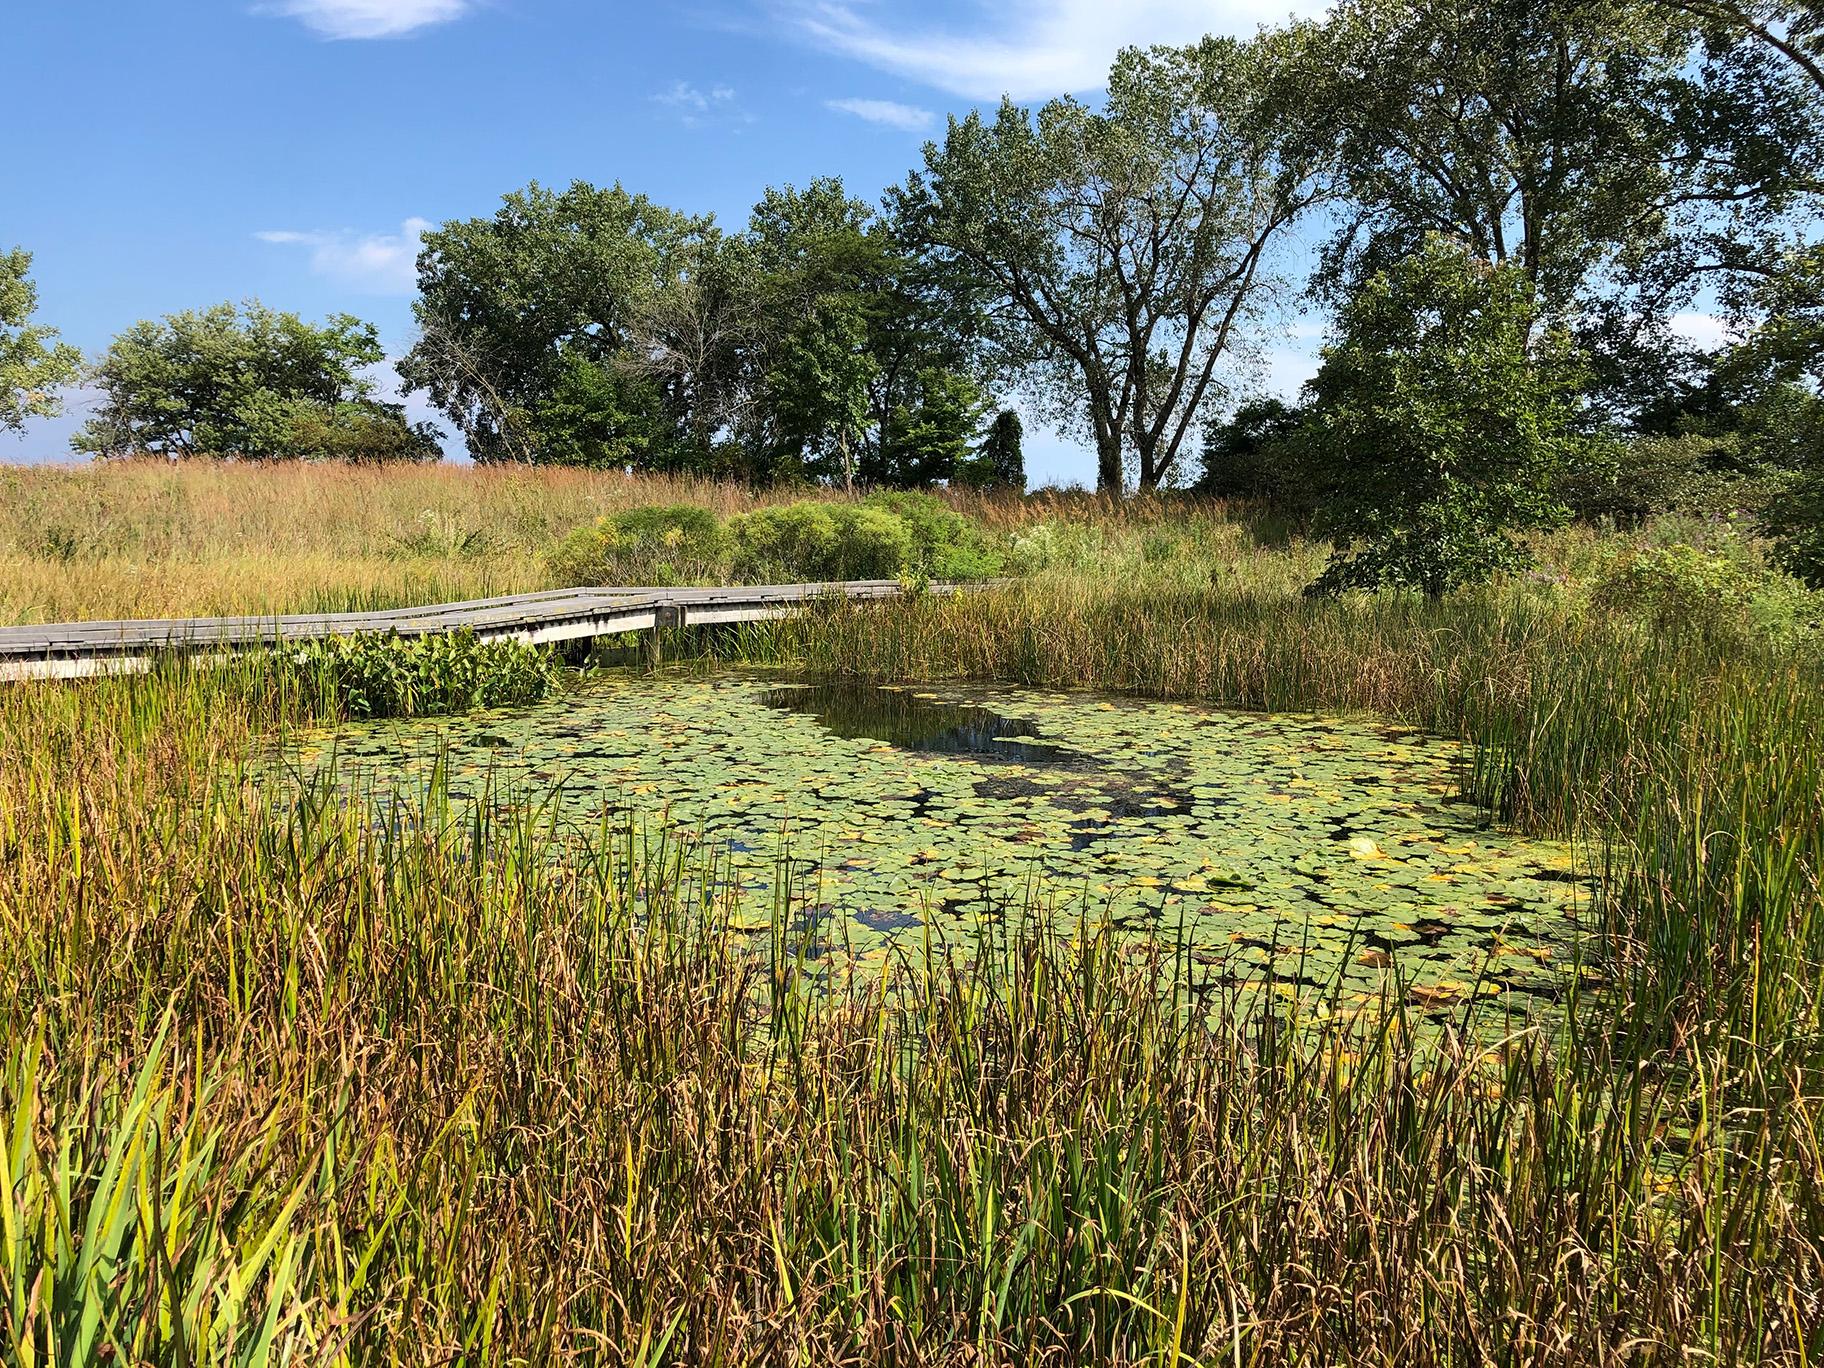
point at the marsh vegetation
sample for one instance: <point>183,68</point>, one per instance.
<point>535,1052</point>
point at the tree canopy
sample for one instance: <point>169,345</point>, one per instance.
<point>33,363</point>
<point>248,382</point>
<point>1122,250</point>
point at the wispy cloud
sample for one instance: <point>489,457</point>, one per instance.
<point>374,263</point>
<point>888,113</point>
<point>696,106</point>
<point>368,18</point>
<point>1036,48</point>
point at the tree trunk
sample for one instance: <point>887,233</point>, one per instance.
<point>1109,479</point>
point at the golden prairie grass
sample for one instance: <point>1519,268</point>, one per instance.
<point>139,539</point>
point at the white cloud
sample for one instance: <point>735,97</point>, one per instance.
<point>1039,48</point>
<point>1703,330</point>
<point>369,18</point>
<point>377,263</point>
<point>889,113</point>
<point>696,106</point>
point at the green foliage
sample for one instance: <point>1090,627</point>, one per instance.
<point>932,439</point>
<point>33,364</point>
<point>1721,592</point>
<point>1626,479</point>
<point>360,431</point>
<point>388,675</point>
<point>999,463</point>
<point>1118,247</point>
<point>661,545</point>
<point>1255,455</point>
<point>944,544</point>
<point>248,382</point>
<point>1576,140</point>
<point>818,380</point>
<point>1438,425</point>
<point>600,417</point>
<point>820,541</point>
<point>524,317</point>
<point>1676,589</point>
<point>1794,517</point>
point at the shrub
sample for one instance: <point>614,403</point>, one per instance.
<point>1677,590</point>
<point>1627,480</point>
<point>661,545</point>
<point>820,541</point>
<point>394,676</point>
<point>945,544</point>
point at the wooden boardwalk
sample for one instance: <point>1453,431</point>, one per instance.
<point>73,650</point>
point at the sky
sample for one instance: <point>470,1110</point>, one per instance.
<point>171,154</point>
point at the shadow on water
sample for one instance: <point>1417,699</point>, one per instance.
<point>900,718</point>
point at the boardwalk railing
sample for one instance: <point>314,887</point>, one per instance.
<point>73,650</point>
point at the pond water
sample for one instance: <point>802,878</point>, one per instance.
<point>1322,849</point>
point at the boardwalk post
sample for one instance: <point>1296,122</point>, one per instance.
<point>666,615</point>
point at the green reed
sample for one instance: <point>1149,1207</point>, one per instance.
<point>289,1077</point>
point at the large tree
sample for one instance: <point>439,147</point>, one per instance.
<point>527,315</point>
<point>1123,250</point>
<point>1617,153</point>
<point>864,356</point>
<point>248,382</point>
<point>1437,423</point>
<point>33,363</point>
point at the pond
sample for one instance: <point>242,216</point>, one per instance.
<point>1327,851</point>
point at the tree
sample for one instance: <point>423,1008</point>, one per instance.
<point>1792,28</point>
<point>33,364</point>
<point>248,382</point>
<point>1121,250</point>
<point>931,439</point>
<point>1438,424</point>
<point>817,381</point>
<point>1776,374</point>
<point>1000,462</point>
<point>513,308</point>
<point>1609,150</point>
<point>1253,454</point>
<point>863,363</point>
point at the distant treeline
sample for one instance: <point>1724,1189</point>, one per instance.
<point>1513,204</point>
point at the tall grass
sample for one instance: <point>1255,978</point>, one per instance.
<point>153,539</point>
<point>282,1083</point>
<point>292,1085</point>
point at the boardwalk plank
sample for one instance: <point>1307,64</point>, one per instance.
<point>75,649</point>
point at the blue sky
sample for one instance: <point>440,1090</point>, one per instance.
<point>169,154</point>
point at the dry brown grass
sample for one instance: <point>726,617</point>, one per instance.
<point>136,539</point>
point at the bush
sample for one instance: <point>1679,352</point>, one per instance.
<point>1681,590</point>
<point>662,545</point>
<point>945,544</point>
<point>1627,480</point>
<point>394,676</point>
<point>820,541</point>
